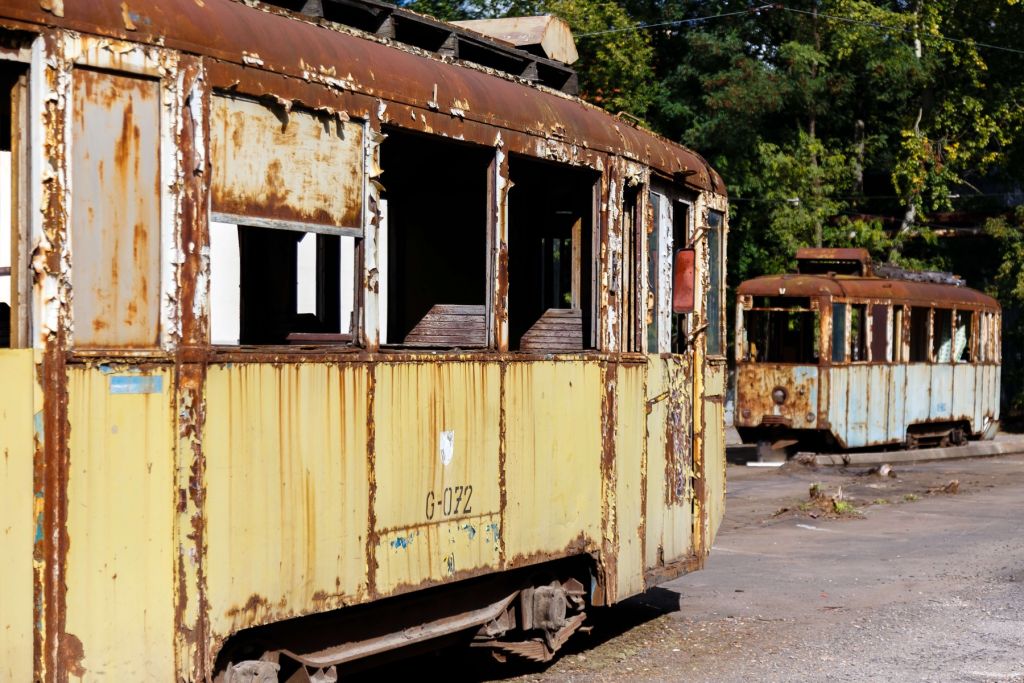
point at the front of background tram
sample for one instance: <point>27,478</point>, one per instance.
<point>777,373</point>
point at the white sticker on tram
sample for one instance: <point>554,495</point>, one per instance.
<point>447,447</point>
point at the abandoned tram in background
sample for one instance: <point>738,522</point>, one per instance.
<point>845,355</point>
<point>327,334</point>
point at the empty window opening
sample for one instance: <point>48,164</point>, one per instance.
<point>550,266</point>
<point>920,323</point>
<point>899,354</point>
<point>272,286</point>
<point>962,347</point>
<point>630,285</point>
<point>435,253</point>
<point>13,256</point>
<point>286,199</point>
<point>838,333</point>
<point>781,330</point>
<point>681,220</point>
<point>858,333</point>
<point>942,335</point>
<point>880,333</point>
<point>651,308</point>
<point>716,281</point>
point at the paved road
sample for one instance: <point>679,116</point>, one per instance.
<point>921,587</point>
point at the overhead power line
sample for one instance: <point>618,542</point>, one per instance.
<point>779,6</point>
<point>675,22</point>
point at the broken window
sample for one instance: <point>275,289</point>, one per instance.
<point>781,330</point>
<point>942,335</point>
<point>286,200</point>
<point>630,285</point>
<point>13,223</point>
<point>920,323</point>
<point>435,252</point>
<point>839,333</point>
<point>115,210</point>
<point>858,333</point>
<point>962,351</point>
<point>716,281</point>
<point>899,354</point>
<point>880,333</point>
<point>550,268</point>
<point>668,235</point>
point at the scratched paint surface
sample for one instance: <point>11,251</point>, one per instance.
<point>553,460</point>
<point>287,494</point>
<point>120,524</point>
<point>630,431</point>
<point>115,210</point>
<point>18,531</point>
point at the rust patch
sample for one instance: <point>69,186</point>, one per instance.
<point>71,655</point>
<point>372,535</point>
<point>607,565</point>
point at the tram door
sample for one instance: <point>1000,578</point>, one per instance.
<point>671,391</point>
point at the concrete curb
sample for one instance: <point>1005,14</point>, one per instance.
<point>977,449</point>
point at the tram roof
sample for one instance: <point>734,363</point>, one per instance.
<point>264,39</point>
<point>870,288</point>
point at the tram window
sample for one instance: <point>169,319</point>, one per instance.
<point>550,209</point>
<point>13,256</point>
<point>716,283</point>
<point>898,353</point>
<point>919,324</point>
<point>880,333</point>
<point>115,210</point>
<point>681,215</point>
<point>942,335</point>
<point>436,255</point>
<point>286,216</point>
<point>838,333</point>
<point>962,337</point>
<point>858,333</point>
<point>780,330</point>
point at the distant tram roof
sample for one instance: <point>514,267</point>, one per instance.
<point>265,40</point>
<point>920,293</point>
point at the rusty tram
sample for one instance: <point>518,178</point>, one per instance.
<point>845,355</point>
<point>335,331</point>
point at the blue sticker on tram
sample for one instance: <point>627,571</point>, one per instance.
<point>137,384</point>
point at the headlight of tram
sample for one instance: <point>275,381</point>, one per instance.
<point>779,395</point>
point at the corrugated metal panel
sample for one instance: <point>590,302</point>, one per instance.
<point>287,493</point>
<point>115,210</point>
<point>965,379</point>
<point>437,469</point>
<point>918,393</point>
<point>18,531</point>
<point>285,165</point>
<point>897,426</point>
<point>553,460</point>
<point>879,396</point>
<point>839,378</point>
<point>120,604</point>
<point>857,405</point>
<point>629,473</point>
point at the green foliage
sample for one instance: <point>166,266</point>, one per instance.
<point>1008,288</point>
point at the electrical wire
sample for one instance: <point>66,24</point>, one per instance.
<point>675,22</point>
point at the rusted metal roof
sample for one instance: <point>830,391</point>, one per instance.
<point>269,40</point>
<point>923,293</point>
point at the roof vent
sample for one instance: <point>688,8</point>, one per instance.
<point>811,261</point>
<point>467,44</point>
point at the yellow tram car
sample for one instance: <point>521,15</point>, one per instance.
<point>328,334</point>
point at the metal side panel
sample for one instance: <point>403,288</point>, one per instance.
<point>120,597</point>
<point>437,472</point>
<point>857,405</point>
<point>878,400</point>
<point>287,494</point>
<point>942,391</point>
<point>965,385</point>
<point>630,465</point>
<point>919,393</point>
<point>897,398</point>
<point>657,414</point>
<point>19,401</point>
<point>839,378</point>
<point>553,459</point>
<point>714,465</point>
